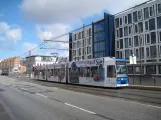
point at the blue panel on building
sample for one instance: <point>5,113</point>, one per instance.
<point>103,37</point>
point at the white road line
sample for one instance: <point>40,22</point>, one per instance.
<point>42,95</point>
<point>23,89</point>
<point>144,104</point>
<point>79,108</point>
<point>108,97</point>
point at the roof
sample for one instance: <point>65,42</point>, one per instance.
<point>10,59</point>
<point>39,56</point>
<point>134,7</point>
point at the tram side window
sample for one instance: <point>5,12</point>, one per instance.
<point>94,70</point>
<point>111,72</point>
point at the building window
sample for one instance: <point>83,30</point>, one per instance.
<point>129,18</point>
<point>117,44</point>
<point>117,54</point>
<point>99,46</point>
<point>131,52</point>
<point>140,25</point>
<point>75,36</point>
<point>126,42</point>
<point>130,30</point>
<point>153,37</point>
<point>153,52</point>
<point>121,54</point>
<point>117,33</point>
<point>135,17</point>
<point>126,31</point>
<point>159,69</point>
<point>136,41</point>
<point>120,32</point>
<point>99,26</point>
<point>140,14</point>
<point>141,40</point>
<point>99,36</point>
<point>79,35</point>
<point>121,43</point>
<point>87,32</point>
<point>127,54</point>
<point>146,13</point>
<point>159,36</point>
<point>159,22</point>
<point>147,38</point>
<point>151,69</point>
<point>152,11</point>
<point>125,19</point>
<point>130,42</point>
<point>90,32</point>
<point>159,8</point>
<point>82,34</point>
<point>142,52</point>
<point>152,24</point>
<point>136,28</point>
<point>137,52</point>
<point>147,52</point>
<point>146,25</point>
<point>130,69</point>
<point>120,21</point>
<point>117,22</point>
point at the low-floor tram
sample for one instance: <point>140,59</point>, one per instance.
<point>104,72</point>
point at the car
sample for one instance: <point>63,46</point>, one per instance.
<point>5,72</point>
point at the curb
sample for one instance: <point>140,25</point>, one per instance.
<point>154,88</point>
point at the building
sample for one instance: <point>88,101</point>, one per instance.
<point>81,43</point>
<point>93,41</point>
<point>38,60</point>
<point>10,64</point>
<point>138,32</point>
<point>103,41</point>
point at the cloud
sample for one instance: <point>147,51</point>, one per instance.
<point>10,32</point>
<point>51,31</point>
<point>28,46</point>
<point>69,11</point>
<point>14,34</point>
<point>4,27</point>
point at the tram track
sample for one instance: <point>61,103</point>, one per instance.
<point>141,96</point>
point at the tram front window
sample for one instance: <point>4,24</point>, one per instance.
<point>121,68</point>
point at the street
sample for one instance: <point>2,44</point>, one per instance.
<point>30,101</point>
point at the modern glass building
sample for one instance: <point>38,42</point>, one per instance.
<point>103,37</point>
<point>93,41</point>
<point>138,32</point>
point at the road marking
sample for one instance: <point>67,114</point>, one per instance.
<point>80,108</point>
<point>42,95</point>
<point>108,97</point>
<point>23,89</point>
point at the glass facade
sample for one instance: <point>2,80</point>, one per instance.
<point>104,36</point>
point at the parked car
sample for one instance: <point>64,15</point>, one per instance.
<point>5,72</point>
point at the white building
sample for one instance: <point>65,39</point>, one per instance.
<point>82,43</point>
<point>138,31</point>
<point>38,60</point>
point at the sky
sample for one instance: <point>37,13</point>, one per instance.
<point>24,24</point>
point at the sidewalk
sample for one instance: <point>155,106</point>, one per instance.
<point>3,114</point>
<point>144,87</point>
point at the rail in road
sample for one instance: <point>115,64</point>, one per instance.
<point>141,96</point>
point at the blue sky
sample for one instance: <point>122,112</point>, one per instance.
<point>25,23</point>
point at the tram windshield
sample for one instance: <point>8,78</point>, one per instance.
<point>121,67</point>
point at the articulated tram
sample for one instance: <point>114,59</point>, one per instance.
<point>104,72</point>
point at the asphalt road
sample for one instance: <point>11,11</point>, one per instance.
<point>30,101</point>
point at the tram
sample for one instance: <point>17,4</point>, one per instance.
<point>103,72</point>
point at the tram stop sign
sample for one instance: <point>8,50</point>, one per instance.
<point>132,59</point>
